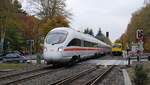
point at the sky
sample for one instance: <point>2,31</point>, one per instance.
<point>110,15</point>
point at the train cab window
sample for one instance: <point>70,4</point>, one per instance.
<point>56,37</point>
<point>116,46</point>
<point>75,42</point>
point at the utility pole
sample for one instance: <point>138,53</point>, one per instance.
<point>139,36</point>
<point>30,43</point>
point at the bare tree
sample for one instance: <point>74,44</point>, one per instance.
<point>146,2</point>
<point>52,8</point>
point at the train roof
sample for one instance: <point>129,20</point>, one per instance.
<point>81,35</point>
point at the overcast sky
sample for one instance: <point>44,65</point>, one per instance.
<point>109,15</point>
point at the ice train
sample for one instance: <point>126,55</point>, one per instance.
<point>63,45</point>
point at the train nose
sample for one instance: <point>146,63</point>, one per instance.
<point>52,54</point>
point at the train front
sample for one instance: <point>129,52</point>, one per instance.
<point>53,46</point>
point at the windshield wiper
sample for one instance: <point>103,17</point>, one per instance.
<point>54,43</point>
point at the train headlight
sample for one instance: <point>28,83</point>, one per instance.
<point>45,49</point>
<point>60,49</point>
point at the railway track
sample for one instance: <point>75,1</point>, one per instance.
<point>98,79</point>
<point>87,77</point>
<point>12,79</point>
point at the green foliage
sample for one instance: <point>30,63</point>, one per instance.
<point>10,25</point>
<point>141,75</point>
<point>13,66</point>
<point>14,39</point>
<point>17,26</point>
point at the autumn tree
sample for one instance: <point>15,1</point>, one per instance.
<point>10,34</point>
<point>58,21</point>
<point>17,27</point>
<point>30,30</point>
<point>53,14</point>
<point>140,20</point>
<point>52,8</point>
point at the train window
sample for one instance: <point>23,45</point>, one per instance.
<point>56,37</point>
<point>82,43</point>
<point>89,44</point>
<point>75,42</point>
<point>116,46</point>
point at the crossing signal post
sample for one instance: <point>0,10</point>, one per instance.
<point>140,36</point>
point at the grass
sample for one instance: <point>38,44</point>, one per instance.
<point>12,66</point>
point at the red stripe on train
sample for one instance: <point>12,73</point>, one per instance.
<point>81,49</point>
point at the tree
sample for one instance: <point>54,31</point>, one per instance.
<point>8,11</point>
<point>49,24</point>
<point>30,30</point>
<point>53,14</point>
<point>89,31</point>
<point>140,20</point>
<point>11,27</point>
<point>52,8</point>
<point>23,27</point>
<point>14,39</point>
<point>99,32</point>
<point>101,37</point>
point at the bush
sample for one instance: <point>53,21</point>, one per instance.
<point>141,75</point>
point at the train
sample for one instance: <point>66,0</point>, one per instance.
<point>63,45</point>
<point>117,49</point>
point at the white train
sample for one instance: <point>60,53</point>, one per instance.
<point>68,45</point>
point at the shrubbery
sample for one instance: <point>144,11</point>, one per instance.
<point>141,75</point>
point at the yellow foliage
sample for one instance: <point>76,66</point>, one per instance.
<point>147,45</point>
<point>49,24</point>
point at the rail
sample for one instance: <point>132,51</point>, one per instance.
<point>18,77</point>
<point>99,77</point>
<point>71,79</point>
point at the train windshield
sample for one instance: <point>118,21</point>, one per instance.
<point>116,46</point>
<point>56,37</point>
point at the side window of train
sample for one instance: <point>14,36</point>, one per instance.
<point>89,44</point>
<point>75,42</point>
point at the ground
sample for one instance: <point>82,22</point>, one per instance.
<point>146,66</point>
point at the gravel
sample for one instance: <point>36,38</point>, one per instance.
<point>28,67</point>
<point>84,79</point>
<point>115,77</point>
<point>55,76</point>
